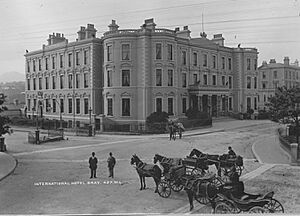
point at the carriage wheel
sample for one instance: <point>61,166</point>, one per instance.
<point>201,196</point>
<point>224,175</point>
<point>223,208</point>
<point>198,172</point>
<point>164,189</point>
<point>176,186</point>
<point>217,181</point>
<point>257,210</point>
<point>274,206</point>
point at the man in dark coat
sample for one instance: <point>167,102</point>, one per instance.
<point>231,153</point>
<point>93,165</point>
<point>111,162</point>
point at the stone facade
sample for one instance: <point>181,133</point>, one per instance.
<point>64,79</point>
<point>273,75</point>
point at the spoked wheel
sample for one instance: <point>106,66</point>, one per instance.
<point>274,206</point>
<point>201,192</point>
<point>217,181</point>
<point>223,208</point>
<point>257,210</point>
<point>176,186</point>
<point>164,189</point>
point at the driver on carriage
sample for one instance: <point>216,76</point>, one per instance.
<point>231,153</point>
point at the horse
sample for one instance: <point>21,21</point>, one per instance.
<point>146,170</point>
<point>167,163</point>
<point>209,159</point>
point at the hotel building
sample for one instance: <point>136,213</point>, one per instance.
<point>273,75</point>
<point>127,74</point>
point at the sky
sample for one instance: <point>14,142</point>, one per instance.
<point>271,26</point>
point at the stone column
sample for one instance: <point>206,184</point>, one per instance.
<point>209,105</point>
<point>200,103</point>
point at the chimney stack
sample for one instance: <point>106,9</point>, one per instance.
<point>286,61</point>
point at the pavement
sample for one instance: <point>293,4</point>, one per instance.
<point>8,163</point>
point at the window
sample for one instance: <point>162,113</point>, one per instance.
<point>158,53</point>
<point>223,62</point>
<point>184,57</point>
<point>53,62</point>
<point>223,80</point>
<point>62,106</point>
<point>255,82</point>
<point>170,52</point>
<point>33,63</point>
<point>70,81</point>
<point>158,77</point>
<point>230,103</point>
<point>109,78</point>
<point>229,63</point>
<point>125,107</point>
<point>85,57</point>
<point>214,61</point>
<point>263,85</point>
<point>125,78</point>
<point>46,63</point>
<point>48,107</point>
<point>170,106</point>
<point>70,105</point>
<point>61,80</point>
<point>77,76</point>
<point>205,79</point>
<point>170,77</point>
<point>85,80</point>
<point>264,75</point>
<point>109,53</point>
<point>40,65</point>
<point>28,84</point>
<point>125,51</point>
<point>195,79</point>
<point>28,66</point>
<point>158,104</point>
<point>109,107</point>
<point>40,83</point>
<point>248,64</point>
<point>195,59</point>
<point>70,59</point>
<point>248,82</point>
<point>28,105</point>
<point>248,103</point>
<point>47,82</point>
<point>54,105</point>
<point>86,105</point>
<point>34,105</point>
<point>77,105</point>
<point>255,103</point>
<point>204,60</point>
<point>77,58</point>
<point>53,82</point>
<point>230,82</point>
<point>255,64</point>
<point>214,79</point>
<point>275,74</point>
<point>183,105</point>
<point>184,80</point>
<point>61,61</point>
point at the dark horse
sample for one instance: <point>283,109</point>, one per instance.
<point>209,159</point>
<point>146,170</point>
<point>167,163</point>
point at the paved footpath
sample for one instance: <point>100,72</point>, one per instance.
<point>7,165</point>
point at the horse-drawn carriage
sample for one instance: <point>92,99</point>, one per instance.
<point>191,175</point>
<point>224,164</point>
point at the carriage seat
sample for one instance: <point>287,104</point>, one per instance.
<point>208,176</point>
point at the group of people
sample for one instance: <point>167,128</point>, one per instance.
<point>93,161</point>
<point>175,127</point>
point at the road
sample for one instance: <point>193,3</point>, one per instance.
<point>53,178</point>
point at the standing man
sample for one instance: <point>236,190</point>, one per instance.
<point>93,165</point>
<point>111,162</point>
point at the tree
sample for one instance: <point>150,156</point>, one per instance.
<point>286,103</point>
<point>4,120</point>
<point>156,122</point>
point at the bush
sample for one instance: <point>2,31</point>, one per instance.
<point>157,122</point>
<point>194,113</point>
